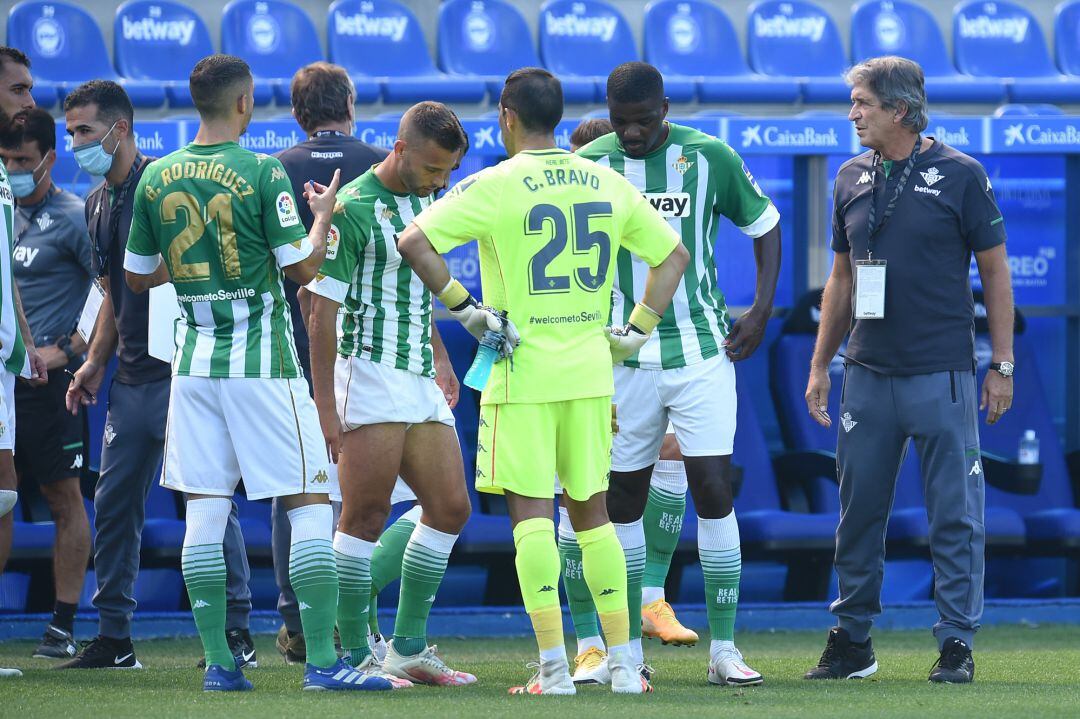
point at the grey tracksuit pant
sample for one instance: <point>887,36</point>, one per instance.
<point>879,413</point>
<point>129,464</point>
<point>281,541</point>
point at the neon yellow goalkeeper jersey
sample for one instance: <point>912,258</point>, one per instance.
<point>550,225</point>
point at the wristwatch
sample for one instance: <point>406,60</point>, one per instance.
<point>64,345</point>
<point>1005,369</point>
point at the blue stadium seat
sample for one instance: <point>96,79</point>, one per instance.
<point>584,39</point>
<point>491,39</point>
<point>32,540</point>
<point>66,48</point>
<point>163,532</point>
<point>902,27</point>
<point>1067,37</point>
<point>1003,39</point>
<point>160,42</point>
<point>13,589</point>
<point>694,40</point>
<point>1015,109</point>
<point>789,37</point>
<point>255,524</point>
<point>276,38</point>
<point>382,39</point>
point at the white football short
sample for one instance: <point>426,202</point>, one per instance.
<point>264,430</point>
<point>373,393</point>
<point>7,409</point>
<point>698,400</point>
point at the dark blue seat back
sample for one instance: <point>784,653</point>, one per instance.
<point>793,38</point>
<point>158,40</point>
<point>1067,37</point>
<point>584,37</point>
<point>999,38</point>
<point>751,453</point>
<point>377,38</point>
<point>691,37</point>
<point>62,41</point>
<point>484,37</point>
<point>899,27</point>
<point>275,37</point>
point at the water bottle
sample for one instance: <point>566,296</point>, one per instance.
<point>1028,452</point>
<point>486,356</point>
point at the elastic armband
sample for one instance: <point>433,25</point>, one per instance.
<point>644,318</point>
<point>454,294</point>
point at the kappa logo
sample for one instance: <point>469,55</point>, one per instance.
<point>607,592</point>
<point>681,165</point>
<point>431,599</point>
<point>988,186</point>
<point>305,605</point>
<point>200,604</point>
<point>670,204</point>
<point>78,462</point>
<point>863,178</point>
<point>976,469</point>
<point>847,421</point>
<point>276,174</point>
<point>110,435</point>
<point>546,588</point>
<point>321,477</point>
<point>932,176</point>
<point>387,214</point>
<point>45,221</point>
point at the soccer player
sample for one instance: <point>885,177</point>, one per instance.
<point>550,225</point>
<point>225,221</point>
<point>684,374</point>
<point>378,402</point>
<point>587,131</point>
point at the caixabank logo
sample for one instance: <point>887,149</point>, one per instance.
<point>790,135</point>
<point>270,137</point>
<point>1042,133</point>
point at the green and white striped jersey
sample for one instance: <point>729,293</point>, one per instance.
<point>691,179</point>
<point>387,309</point>
<point>226,222</point>
<point>12,350</point>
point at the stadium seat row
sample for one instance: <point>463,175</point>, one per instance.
<point>793,49</point>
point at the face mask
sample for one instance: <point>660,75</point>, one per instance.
<point>23,184</point>
<point>92,157</point>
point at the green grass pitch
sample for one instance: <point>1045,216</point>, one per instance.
<point>1021,672</point>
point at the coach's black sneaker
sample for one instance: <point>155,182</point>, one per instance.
<point>844,659</point>
<point>955,665</point>
<point>56,644</point>
<point>291,646</point>
<point>103,653</point>
<point>242,648</point>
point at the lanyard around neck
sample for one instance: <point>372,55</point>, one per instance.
<point>872,227</point>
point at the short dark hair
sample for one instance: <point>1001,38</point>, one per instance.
<point>536,96</point>
<point>212,78</point>
<point>40,127</point>
<point>12,54</point>
<point>110,97</point>
<point>437,122</point>
<point>635,82</point>
<point>590,130</point>
<point>320,93</point>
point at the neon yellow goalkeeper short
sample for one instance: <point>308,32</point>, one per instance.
<point>521,448</point>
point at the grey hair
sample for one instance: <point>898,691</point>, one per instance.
<point>895,80</point>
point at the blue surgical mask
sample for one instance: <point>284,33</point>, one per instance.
<point>92,157</point>
<point>23,184</point>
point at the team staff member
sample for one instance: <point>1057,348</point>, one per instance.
<point>100,120</point>
<point>18,357</point>
<point>53,269</point>
<point>908,215</point>
<point>323,99</point>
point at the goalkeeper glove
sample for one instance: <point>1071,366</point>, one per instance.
<point>626,341</point>
<point>475,317</point>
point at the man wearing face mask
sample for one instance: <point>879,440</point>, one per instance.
<point>52,267</point>
<point>100,120</point>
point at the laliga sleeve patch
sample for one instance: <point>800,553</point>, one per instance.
<point>286,210</point>
<point>333,239</point>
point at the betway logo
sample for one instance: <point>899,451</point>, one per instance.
<point>773,136</point>
<point>366,26</point>
<point>811,28</point>
<point>148,29</point>
<point>580,26</point>
<point>956,138</point>
<point>1035,135</point>
<point>990,28</point>
<point>670,204</point>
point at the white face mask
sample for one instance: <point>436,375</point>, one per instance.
<point>23,184</point>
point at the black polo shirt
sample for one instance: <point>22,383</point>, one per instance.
<point>316,159</point>
<point>947,212</point>
<point>108,220</point>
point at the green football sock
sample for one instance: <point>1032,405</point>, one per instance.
<point>373,613</point>
<point>204,574</point>
<point>632,539</point>
<point>663,521</point>
<point>313,574</point>
<point>578,596</point>
<point>353,556</point>
<point>422,568</point>
<point>721,563</point>
<point>389,550</point>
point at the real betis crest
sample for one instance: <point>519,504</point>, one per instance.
<point>682,165</point>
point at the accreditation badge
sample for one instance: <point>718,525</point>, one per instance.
<point>870,289</point>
